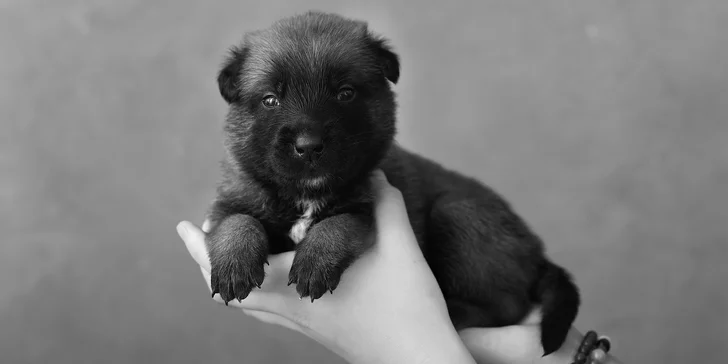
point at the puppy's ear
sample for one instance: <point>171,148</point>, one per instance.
<point>228,79</point>
<point>388,60</point>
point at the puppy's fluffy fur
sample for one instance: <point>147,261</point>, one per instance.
<point>311,114</point>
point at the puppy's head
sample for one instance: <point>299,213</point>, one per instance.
<point>310,101</point>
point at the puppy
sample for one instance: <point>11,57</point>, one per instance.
<point>311,114</point>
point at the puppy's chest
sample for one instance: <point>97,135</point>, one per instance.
<point>309,209</point>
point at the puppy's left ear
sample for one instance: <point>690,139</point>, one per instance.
<point>228,78</point>
<point>388,60</point>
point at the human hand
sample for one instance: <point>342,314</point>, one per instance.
<point>389,290</point>
<point>387,308</point>
<point>517,344</point>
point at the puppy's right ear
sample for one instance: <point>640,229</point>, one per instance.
<point>228,79</point>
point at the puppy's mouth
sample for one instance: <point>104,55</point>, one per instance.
<point>314,182</point>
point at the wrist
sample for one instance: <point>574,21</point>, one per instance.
<point>567,352</point>
<point>417,336</point>
<point>415,346</point>
<point>434,341</point>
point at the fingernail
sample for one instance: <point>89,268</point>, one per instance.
<point>182,230</point>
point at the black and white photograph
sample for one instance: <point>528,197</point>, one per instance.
<point>363,182</point>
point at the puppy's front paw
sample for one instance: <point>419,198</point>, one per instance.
<point>238,250</point>
<point>234,276</point>
<point>314,274</point>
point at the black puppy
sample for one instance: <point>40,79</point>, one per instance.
<point>311,114</point>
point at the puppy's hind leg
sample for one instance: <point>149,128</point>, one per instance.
<point>482,259</point>
<point>492,268</point>
<point>464,314</point>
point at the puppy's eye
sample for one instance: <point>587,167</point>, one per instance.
<point>270,101</point>
<point>346,94</point>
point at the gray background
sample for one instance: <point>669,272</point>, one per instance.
<point>605,123</point>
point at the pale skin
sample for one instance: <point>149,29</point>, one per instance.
<point>388,307</point>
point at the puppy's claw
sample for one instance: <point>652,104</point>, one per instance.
<point>313,277</point>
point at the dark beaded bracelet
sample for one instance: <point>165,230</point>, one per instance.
<point>593,349</point>
<point>604,343</point>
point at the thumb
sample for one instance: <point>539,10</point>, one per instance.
<point>390,212</point>
<point>390,208</point>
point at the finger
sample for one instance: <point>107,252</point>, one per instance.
<point>393,228</point>
<point>194,239</point>
<point>383,189</point>
<point>206,275</point>
<point>390,209</point>
<point>206,226</point>
<point>271,318</point>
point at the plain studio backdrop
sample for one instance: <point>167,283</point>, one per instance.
<point>604,122</point>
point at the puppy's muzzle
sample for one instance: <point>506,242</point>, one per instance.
<point>308,145</point>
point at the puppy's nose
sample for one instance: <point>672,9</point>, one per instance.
<point>308,145</point>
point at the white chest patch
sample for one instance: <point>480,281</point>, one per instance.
<point>300,228</point>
